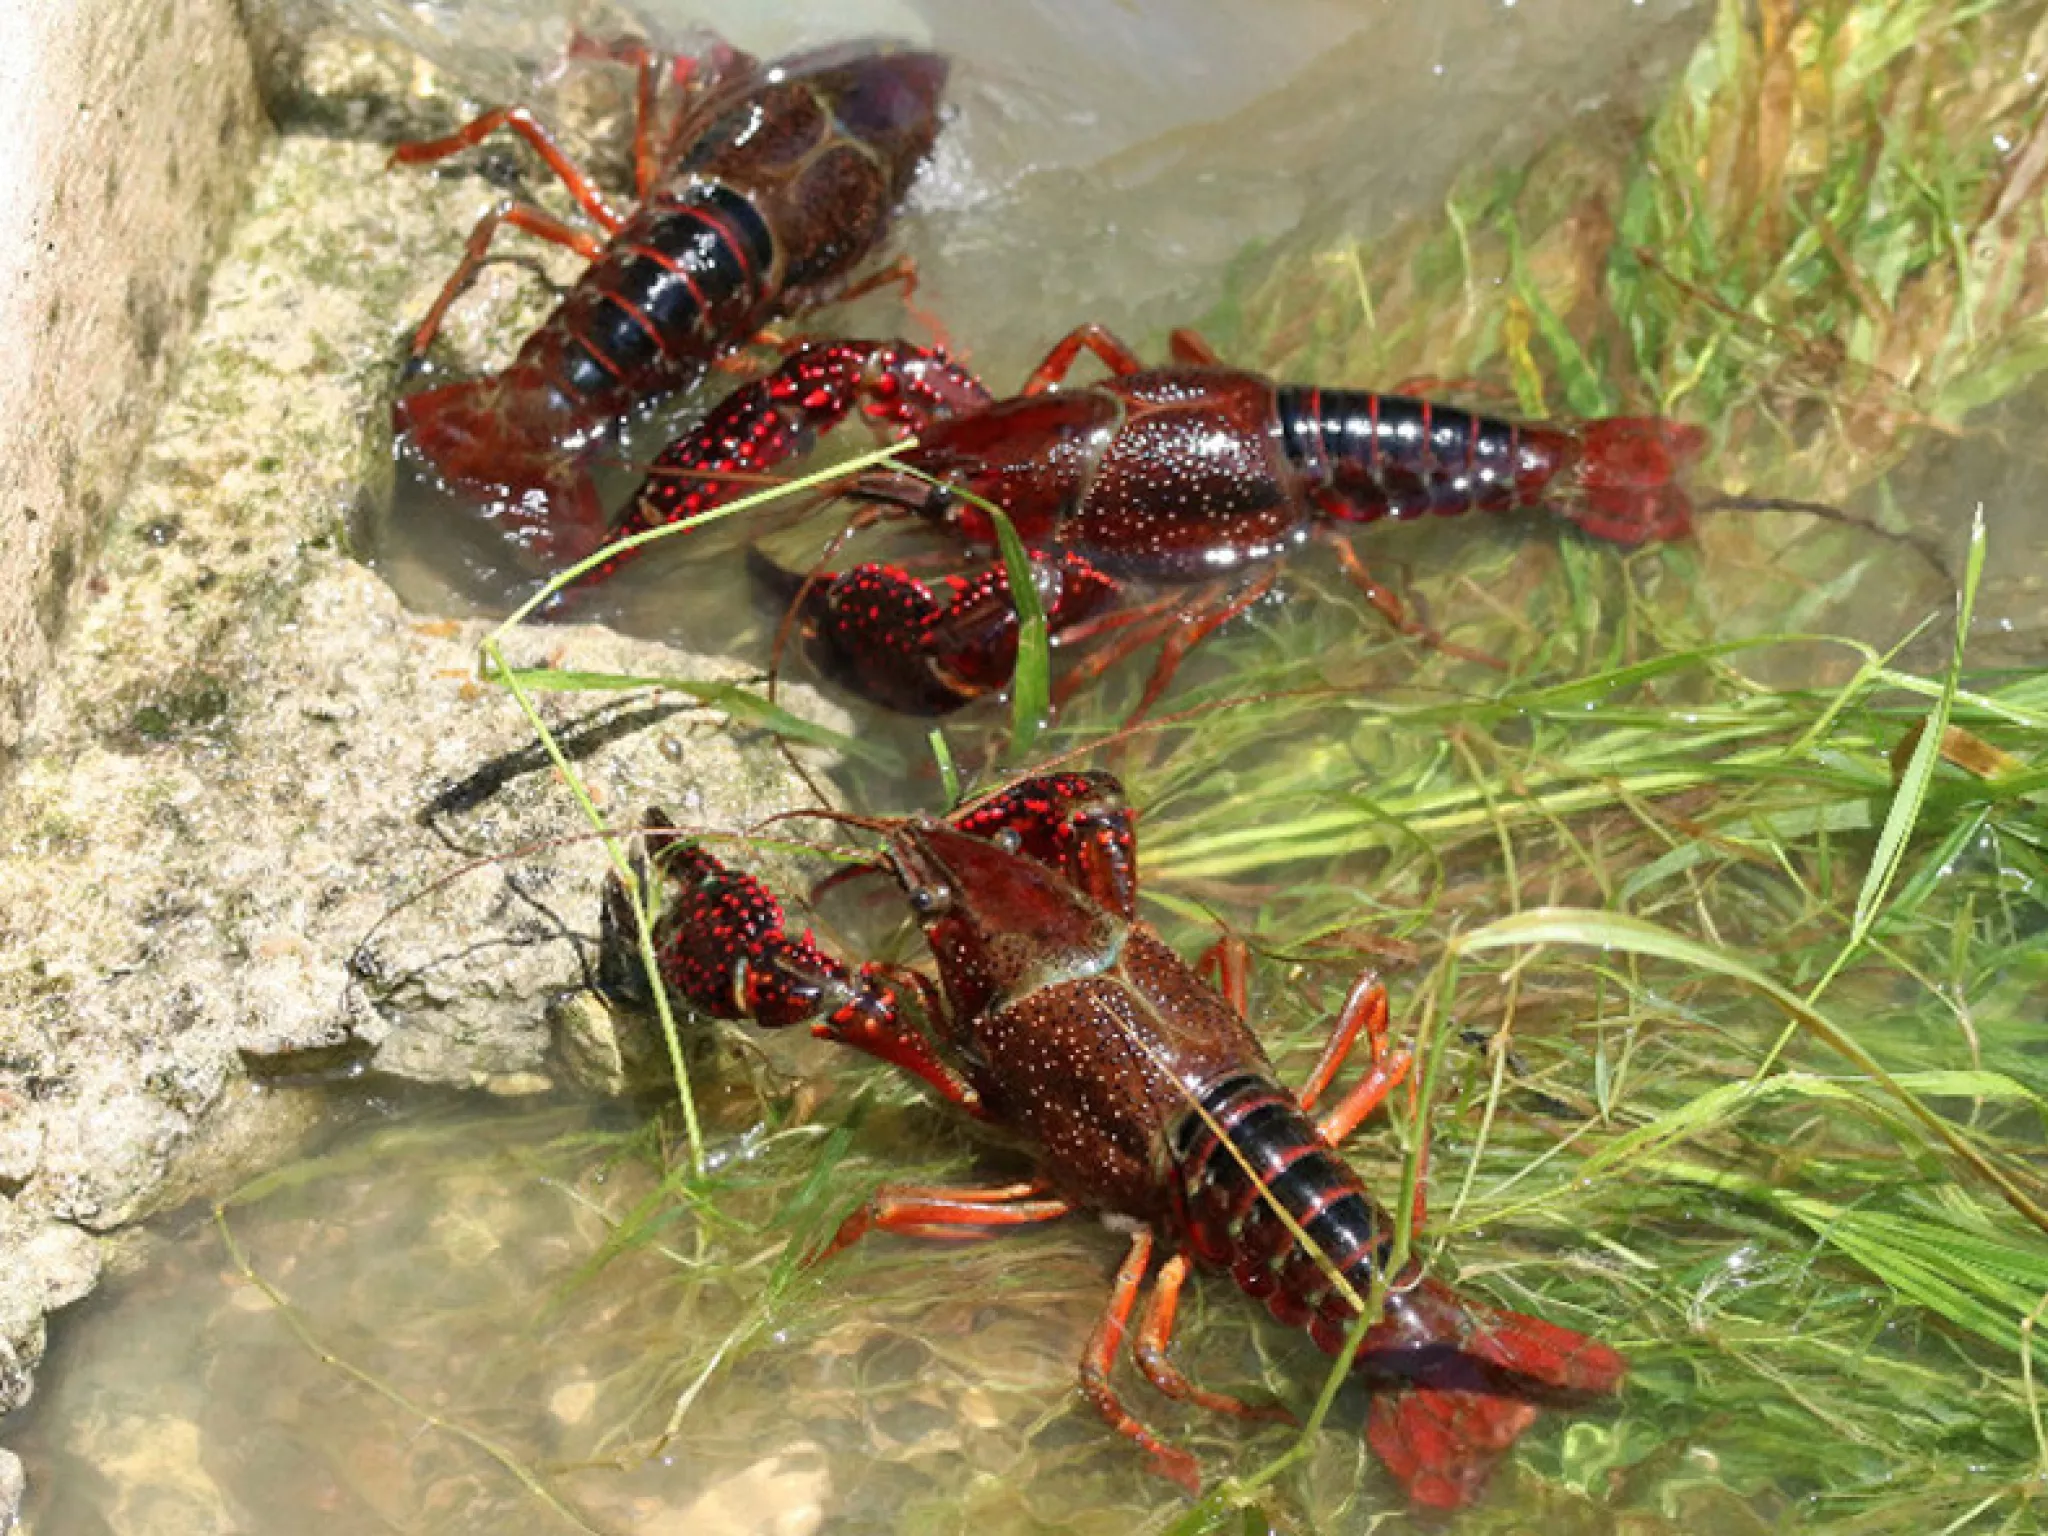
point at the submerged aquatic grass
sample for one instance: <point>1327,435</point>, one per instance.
<point>1735,925</point>
<point>1826,1305</point>
<point>1828,242</point>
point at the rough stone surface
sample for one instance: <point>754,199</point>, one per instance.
<point>785,1495</point>
<point>154,1460</point>
<point>605,1050</point>
<point>129,129</point>
<point>266,823</point>
<point>11,1489</point>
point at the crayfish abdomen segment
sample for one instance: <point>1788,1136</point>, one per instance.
<point>682,275</point>
<point>1246,1155</point>
<point>1392,456</point>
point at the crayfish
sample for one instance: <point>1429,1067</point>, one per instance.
<point>1197,475</point>
<point>1063,1023</point>
<point>761,188</point>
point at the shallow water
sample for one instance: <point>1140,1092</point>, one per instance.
<point>461,1289</point>
<point>459,1350</point>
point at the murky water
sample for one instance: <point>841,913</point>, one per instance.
<point>462,1320</point>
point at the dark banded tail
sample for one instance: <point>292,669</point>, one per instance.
<point>1394,456</point>
<point>681,282</point>
<point>1372,456</point>
<point>1459,1381</point>
<point>1249,1133</point>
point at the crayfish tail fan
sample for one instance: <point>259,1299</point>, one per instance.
<point>1442,1443</point>
<point>1471,1379</point>
<point>1626,482</point>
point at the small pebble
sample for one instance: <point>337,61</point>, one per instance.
<point>572,1404</point>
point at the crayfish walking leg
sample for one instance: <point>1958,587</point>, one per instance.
<point>924,1210</point>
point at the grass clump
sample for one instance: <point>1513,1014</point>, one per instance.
<point>1739,912</point>
<point>1718,1095</point>
<point>1828,240</point>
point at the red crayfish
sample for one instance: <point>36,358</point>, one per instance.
<point>1062,1021</point>
<point>765,190</point>
<point>1195,474</point>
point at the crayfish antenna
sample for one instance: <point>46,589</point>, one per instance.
<point>1922,546</point>
<point>773,577</point>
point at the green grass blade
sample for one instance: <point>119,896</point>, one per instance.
<point>949,772</point>
<point>1631,935</point>
<point>1913,783</point>
<point>1031,686</point>
<point>622,867</point>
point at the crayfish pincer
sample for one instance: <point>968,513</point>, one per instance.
<point>1065,1023</point>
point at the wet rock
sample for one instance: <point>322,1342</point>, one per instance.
<point>68,1261</point>
<point>605,1050</point>
<point>571,1404</point>
<point>44,1265</point>
<point>11,1488</point>
<point>785,1495</point>
<point>21,1340</point>
<point>237,1139</point>
<point>267,822</point>
<point>156,1463</point>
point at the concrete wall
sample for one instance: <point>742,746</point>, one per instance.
<point>126,128</point>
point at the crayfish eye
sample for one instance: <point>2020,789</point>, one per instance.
<point>1009,839</point>
<point>929,901</point>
